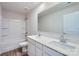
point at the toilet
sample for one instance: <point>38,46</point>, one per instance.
<point>24,46</point>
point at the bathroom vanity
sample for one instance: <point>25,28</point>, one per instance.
<point>60,19</point>
<point>39,48</point>
<point>45,46</point>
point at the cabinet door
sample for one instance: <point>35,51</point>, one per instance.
<point>45,54</point>
<point>51,52</point>
<point>39,48</point>
<point>31,49</point>
<point>38,52</point>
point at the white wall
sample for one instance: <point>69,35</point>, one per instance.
<point>31,22</point>
<point>13,30</point>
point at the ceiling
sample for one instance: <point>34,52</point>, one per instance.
<point>21,7</point>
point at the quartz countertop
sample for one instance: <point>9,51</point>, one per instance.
<point>49,42</point>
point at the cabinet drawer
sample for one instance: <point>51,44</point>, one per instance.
<point>51,52</point>
<point>31,41</point>
<point>39,45</point>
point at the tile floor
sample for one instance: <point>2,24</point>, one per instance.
<point>15,52</point>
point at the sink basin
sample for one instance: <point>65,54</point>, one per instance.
<point>64,46</point>
<point>43,39</point>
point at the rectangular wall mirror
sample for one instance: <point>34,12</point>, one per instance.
<point>50,23</point>
<point>61,20</point>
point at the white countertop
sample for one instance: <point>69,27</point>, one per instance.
<point>49,42</point>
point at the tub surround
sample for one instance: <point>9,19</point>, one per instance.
<point>49,42</point>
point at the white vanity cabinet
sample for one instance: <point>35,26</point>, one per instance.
<point>50,52</point>
<point>36,48</point>
<point>39,49</point>
<point>45,54</point>
<point>31,47</point>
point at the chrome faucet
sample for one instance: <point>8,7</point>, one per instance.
<point>62,39</point>
<point>26,33</point>
<point>39,34</point>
